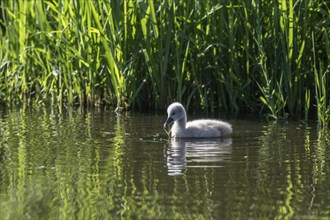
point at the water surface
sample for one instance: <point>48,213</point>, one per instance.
<point>90,164</point>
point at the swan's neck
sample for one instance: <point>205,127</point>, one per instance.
<point>181,124</point>
<point>179,127</point>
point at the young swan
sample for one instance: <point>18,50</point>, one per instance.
<point>204,128</point>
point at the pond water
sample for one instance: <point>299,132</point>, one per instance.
<point>81,164</point>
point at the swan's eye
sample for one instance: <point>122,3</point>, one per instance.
<point>173,113</point>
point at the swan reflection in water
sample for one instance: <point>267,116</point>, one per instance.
<point>181,154</point>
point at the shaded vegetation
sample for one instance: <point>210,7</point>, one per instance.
<point>261,56</point>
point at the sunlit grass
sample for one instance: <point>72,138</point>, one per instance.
<point>259,56</point>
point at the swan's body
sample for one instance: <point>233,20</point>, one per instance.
<point>203,128</point>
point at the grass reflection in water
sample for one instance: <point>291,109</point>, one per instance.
<point>90,164</point>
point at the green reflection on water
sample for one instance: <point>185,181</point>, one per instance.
<point>79,164</point>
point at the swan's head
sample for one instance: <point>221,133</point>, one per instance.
<point>175,112</point>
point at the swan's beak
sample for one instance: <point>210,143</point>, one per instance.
<point>168,122</point>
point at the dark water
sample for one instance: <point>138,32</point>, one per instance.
<point>97,165</point>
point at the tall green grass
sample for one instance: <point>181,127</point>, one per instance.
<point>262,56</point>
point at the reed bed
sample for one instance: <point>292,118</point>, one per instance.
<point>262,56</point>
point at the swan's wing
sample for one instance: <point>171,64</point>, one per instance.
<point>208,128</point>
